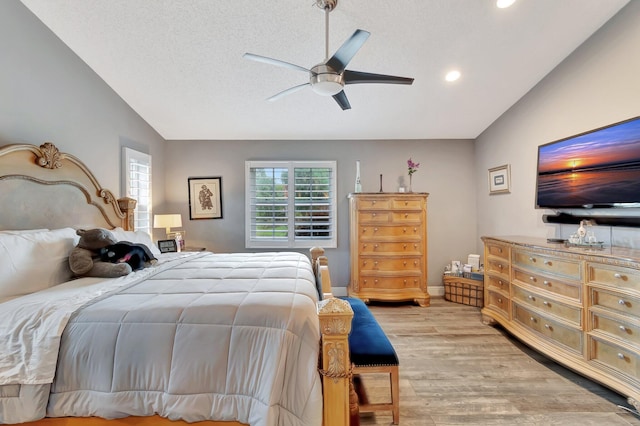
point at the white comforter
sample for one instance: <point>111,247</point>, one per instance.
<point>221,337</point>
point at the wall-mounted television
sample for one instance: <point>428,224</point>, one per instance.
<point>598,168</point>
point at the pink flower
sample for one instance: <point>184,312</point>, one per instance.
<point>413,167</point>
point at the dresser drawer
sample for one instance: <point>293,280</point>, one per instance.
<point>617,302</point>
<point>498,266</point>
<point>372,231</point>
<point>569,313</point>
<point>385,263</point>
<point>409,248</point>
<point>497,283</point>
<point>614,276</point>
<point>399,282</point>
<point>629,332</point>
<point>404,204</point>
<point>366,216</point>
<point>497,250</point>
<point>551,284</point>
<point>497,302</point>
<point>568,337</point>
<point>406,217</point>
<point>549,264</point>
<point>373,203</point>
<point>618,358</point>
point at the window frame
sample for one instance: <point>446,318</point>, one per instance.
<point>291,242</point>
<point>128,156</point>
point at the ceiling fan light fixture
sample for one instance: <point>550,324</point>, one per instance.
<point>502,4</point>
<point>324,81</point>
<point>452,75</point>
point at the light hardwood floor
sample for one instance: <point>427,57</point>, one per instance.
<point>455,370</point>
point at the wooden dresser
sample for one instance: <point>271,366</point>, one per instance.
<point>579,306</point>
<point>388,238</point>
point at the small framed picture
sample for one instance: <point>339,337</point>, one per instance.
<point>500,180</point>
<point>205,198</point>
<point>167,246</point>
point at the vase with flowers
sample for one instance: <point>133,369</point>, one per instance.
<point>412,168</point>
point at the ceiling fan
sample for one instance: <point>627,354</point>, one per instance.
<point>328,78</point>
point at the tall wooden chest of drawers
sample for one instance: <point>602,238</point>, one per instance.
<point>578,306</point>
<point>388,238</point>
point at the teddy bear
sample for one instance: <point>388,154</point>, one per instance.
<point>84,259</point>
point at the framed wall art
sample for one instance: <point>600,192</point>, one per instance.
<point>205,198</point>
<point>168,246</point>
<point>500,180</point>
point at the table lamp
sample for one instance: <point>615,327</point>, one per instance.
<point>167,221</point>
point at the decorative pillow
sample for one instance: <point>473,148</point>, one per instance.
<point>34,261</point>
<point>137,237</point>
<point>22,231</point>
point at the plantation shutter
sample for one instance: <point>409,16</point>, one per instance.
<point>138,186</point>
<point>290,204</point>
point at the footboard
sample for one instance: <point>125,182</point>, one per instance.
<point>335,366</point>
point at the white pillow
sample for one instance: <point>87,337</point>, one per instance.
<point>137,237</point>
<point>34,261</point>
<point>22,231</point>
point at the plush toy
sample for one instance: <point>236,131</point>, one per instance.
<point>135,255</point>
<point>84,259</point>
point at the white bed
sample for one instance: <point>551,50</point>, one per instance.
<point>197,337</point>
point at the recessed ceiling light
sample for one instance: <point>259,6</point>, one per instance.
<point>452,75</point>
<point>504,3</point>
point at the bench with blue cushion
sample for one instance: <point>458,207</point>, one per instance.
<point>372,352</point>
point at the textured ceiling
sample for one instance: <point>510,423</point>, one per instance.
<point>179,64</point>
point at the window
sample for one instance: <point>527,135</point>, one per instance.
<point>137,184</point>
<point>290,212</point>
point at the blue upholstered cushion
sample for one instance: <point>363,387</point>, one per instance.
<point>368,344</point>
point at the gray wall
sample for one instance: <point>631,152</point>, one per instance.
<point>48,94</point>
<point>598,84</point>
<point>446,172</point>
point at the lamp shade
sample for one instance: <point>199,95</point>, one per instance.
<point>167,221</point>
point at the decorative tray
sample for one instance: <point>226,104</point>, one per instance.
<point>597,245</point>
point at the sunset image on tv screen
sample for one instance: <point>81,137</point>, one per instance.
<point>598,168</point>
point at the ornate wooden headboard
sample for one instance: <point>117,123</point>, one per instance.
<point>41,187</point>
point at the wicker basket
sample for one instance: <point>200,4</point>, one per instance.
<point>467,291</point>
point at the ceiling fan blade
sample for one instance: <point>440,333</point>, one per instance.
<point>288,92</point>
<point>341,99</point>
<point>357,77</point>
<point>348,50</point>
<point>272,61</point>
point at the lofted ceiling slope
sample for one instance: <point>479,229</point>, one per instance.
<point>179,64</point>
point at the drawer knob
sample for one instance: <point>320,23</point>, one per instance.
<point>500,283</point>
<point>499,266</point>
<point>373,202</point>
<point>532,319</point>
<point>404,246</point>
<point>620,355</point>
<point>415,246</point>
<point>375,281</point>
<point>415,263</point>
<point>499,300</point>
<point>622,302</point>
<point>375,229</point>
<point>364,246</point>
<point>404,263</point>
<point>499,250</point>
<point>404,229</point>
<point>532,279</point>
<point>623,328</point>
<point>547,262</point>
<point>375,263</point>
<point>618,276</point>
<point>548,327</point>
<point>532,259</point>
<point>375,246</point>
<point>405,282</point>
<point>415,230</point>
<point>364,262</point>
<point>531,297</point>
<point>374,215</point>
<point>545,303</point>
<point>406,215</point>
<point>406,203</point>
<point>545,282</point>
